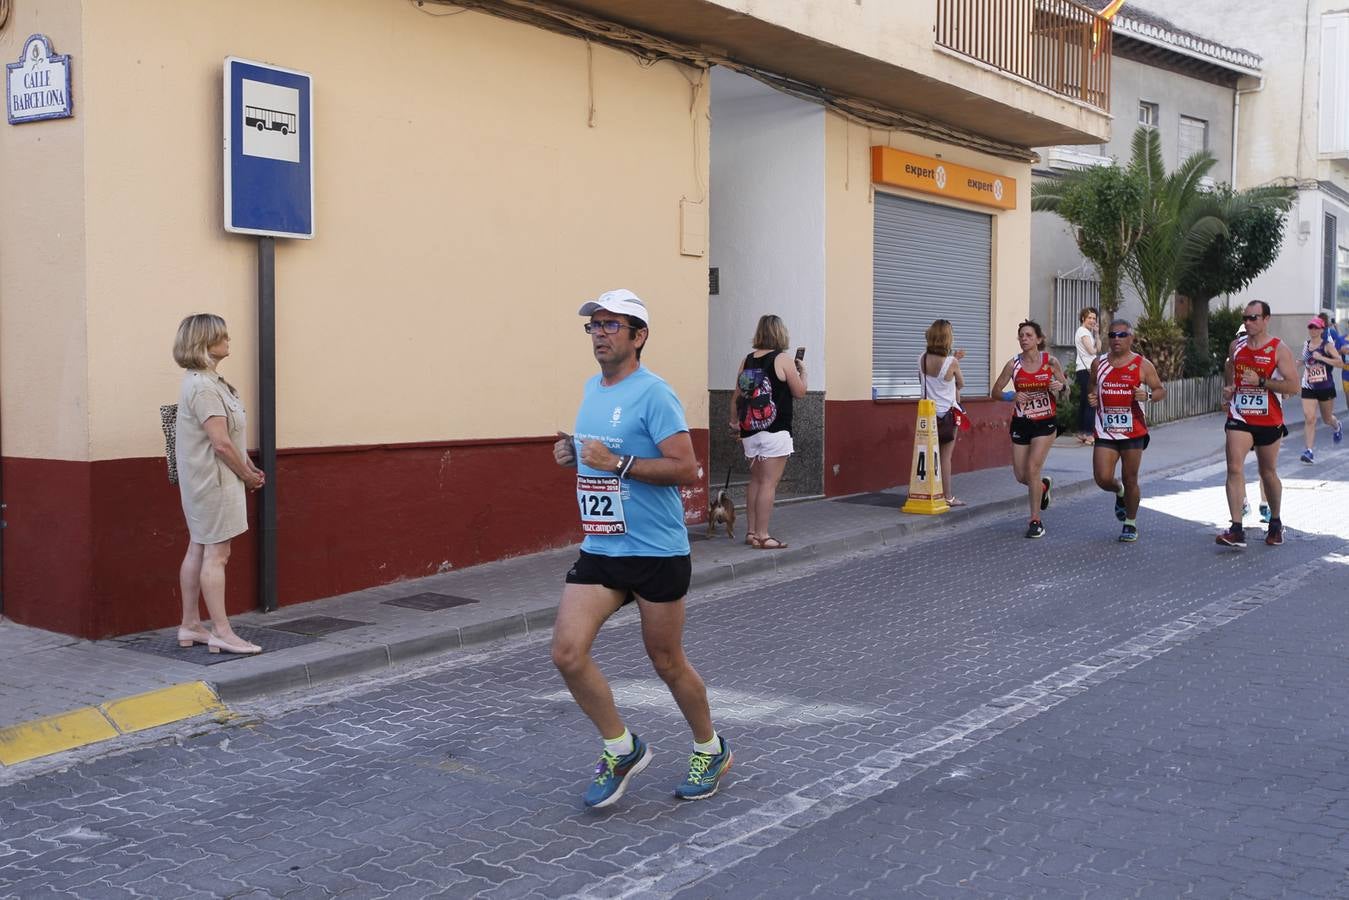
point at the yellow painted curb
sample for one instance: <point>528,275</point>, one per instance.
<point>42,737</point>
<point>154,708</point>
<point>91,724</point>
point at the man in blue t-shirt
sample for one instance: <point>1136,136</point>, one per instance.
<point>631,450</point>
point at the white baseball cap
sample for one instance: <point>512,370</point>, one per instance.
<point>623,302</point>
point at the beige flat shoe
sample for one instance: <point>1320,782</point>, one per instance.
<point>189,636</point>
<point>216,645</point>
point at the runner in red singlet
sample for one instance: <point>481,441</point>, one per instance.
<point>1037,378</point>
<point>1259,367</point>
<point>1120,381</point>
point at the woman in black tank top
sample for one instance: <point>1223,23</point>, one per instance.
<point>766,384</point>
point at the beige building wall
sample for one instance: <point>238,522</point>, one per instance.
<point>466,203</point>
<point>44,371</point>
<point>849,242</point>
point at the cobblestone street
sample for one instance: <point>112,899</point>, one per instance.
<point>973,714</point>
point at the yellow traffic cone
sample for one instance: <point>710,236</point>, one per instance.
<point>926,497</point>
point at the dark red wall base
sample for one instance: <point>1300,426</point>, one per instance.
<point>93,549</point>
<point>868,445</point>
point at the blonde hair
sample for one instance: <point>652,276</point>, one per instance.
<point>939,338</point>
<point>770,334</point>
<point>195,333</point>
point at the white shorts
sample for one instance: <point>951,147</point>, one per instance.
<point>768,444</point>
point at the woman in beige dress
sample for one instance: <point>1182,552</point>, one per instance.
<point>213,472</point>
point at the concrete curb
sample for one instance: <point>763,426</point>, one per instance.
<point>94,724</point>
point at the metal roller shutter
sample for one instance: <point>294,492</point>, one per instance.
<point>931,262</point>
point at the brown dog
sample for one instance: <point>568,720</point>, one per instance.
<point>721,511</point>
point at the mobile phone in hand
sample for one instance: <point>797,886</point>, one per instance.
<point>800,353</point>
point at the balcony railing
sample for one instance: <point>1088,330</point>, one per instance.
<point>1058,44</point>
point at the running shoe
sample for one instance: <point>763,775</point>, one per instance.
<point>1048,482</point>
<point>1246,508</point>
<point>612,774</point>
<point>1036,529</point>
<point>1338,433</point>
<point>1308,456</point>
<point>1129,534</point>
<point>1264,512</point>
<point>1120,512</point>
<point>705,771</point>
<point>1233,537</point>
<point>1274,535</point>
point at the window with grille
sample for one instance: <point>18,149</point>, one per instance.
<point>1071,296</point>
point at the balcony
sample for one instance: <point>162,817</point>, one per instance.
<point>1060,45</point>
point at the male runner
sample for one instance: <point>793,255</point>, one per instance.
<point>631,450</point>
<point>1258,366</point>
<point>1120,381</point>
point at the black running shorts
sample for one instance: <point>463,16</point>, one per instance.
<point>1025,430</point>
<point>1319,393</point>
<point>659,579</point>
<point>1121,444</point>
<point>1264,435</point>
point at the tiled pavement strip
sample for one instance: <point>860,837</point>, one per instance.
<point>43,674</point>
<point>463,780</point>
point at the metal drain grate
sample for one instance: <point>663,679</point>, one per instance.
<point>316,625</point>
<point>429,602</point>
<point>166,644</point>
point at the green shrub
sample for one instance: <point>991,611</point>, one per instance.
<point>1222,330</point>
<point>1067,412</point>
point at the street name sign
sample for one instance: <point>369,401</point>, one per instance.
<point>269,150</point>
<point>37,87</point>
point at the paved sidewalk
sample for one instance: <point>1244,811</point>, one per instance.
<point>44,674</point>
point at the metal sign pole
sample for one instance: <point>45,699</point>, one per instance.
<point>267,422</point>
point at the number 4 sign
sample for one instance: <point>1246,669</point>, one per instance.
<point>926,496</point>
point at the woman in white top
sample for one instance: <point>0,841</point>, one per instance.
<point>213,472</point>
<point>942,384</point>
<point>1088,347</point>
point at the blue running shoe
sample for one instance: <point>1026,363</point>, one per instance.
<point>1120,512</point>
<point>612,774</point>
<point>1129,534</point>
<point>1338,433</point>
<point>1245,508</point>
<point>1308,456</point>
<point>705,771</point>
<point>1264,512</point>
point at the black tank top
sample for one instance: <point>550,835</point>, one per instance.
<point>782,393</point>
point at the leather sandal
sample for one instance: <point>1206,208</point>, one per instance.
<point>768,542</point>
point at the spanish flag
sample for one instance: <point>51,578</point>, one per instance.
<point>1098,30</point>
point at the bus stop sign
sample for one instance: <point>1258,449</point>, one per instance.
<point>269,150</point>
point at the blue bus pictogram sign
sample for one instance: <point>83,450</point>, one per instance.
<point>269,150</point>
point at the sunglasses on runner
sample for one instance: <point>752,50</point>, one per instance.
<point>1119,334</point>
<point>1252,318</point>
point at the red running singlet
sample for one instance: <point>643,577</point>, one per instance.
<point>1251,404</point>
<point>1035,382</point>
<point>1119,415</point>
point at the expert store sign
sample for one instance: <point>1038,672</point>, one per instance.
<point>37,87</point>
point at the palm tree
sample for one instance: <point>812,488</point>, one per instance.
<point>1182,220</point>
<point>1104,206</point>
